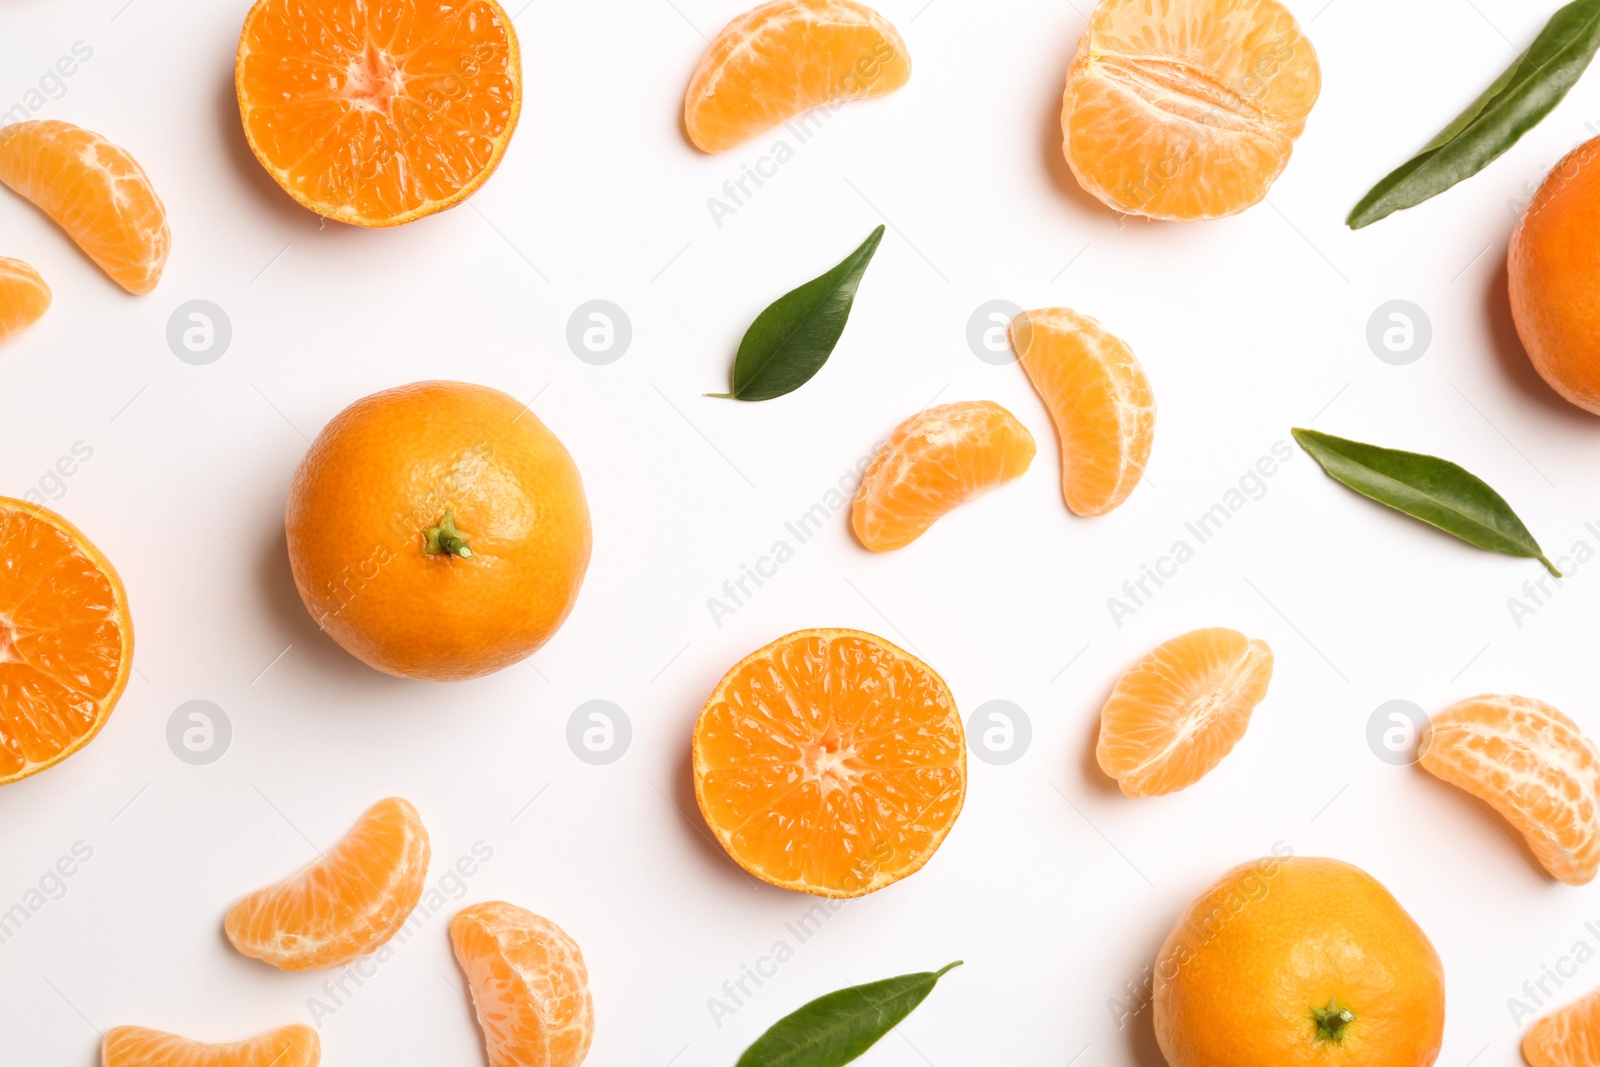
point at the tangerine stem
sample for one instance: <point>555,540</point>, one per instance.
<point>445,538</point>
<point>1332,1021</point>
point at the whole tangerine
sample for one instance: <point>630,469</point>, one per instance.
<point>438,530</point>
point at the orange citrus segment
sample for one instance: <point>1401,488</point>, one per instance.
<point>830,762</point>
<point>1177,712</point>
<point>66,639</point>
<point>24,297</point>
<point>1568,1037</point>
<point>378,112</point>
<point>529,986</point>
<point>934,462</point>
<point>93,190</point>
<point>784,58</point>
<point>134,1046</point>
<point>1532,765</point>
<point>1186,109</point>
<point>346,904</point>
<point>1099,400</point>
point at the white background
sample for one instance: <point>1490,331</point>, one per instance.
<point>1054,888</point>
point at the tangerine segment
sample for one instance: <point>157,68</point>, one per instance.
<point>1186,109</point>
<point>1098,398</point>
<point>378,112</point>
<point>934,462</point>
<point>784,58</point>
<point>134,1046</point>
<point>1176,713</point>
<point>529,986</point>
<point>24,297</point>
<point>66,639</point>
<point>348,903</point>
<point>95,191</point>
<point>1531,764</point>
<point>1568,1037</point>
<point>830,762</point>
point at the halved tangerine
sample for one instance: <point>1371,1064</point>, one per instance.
<point>379,112</point>
<point>24,297</point>
<point>934,462</point>
<point>1531,764</point>
<point>1099,399</point>
<point>1567,1037</point>
<point>830,762</point>
<point>1187,109</point>
<point>1176,713</point>
<point>66,639</point>
<point>346,904</point>
<point>134,1046</point>
<point>785,58</point>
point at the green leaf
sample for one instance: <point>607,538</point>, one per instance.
<point>1513,105</point>
<point>791,340</point>
<point>1428,488</point>
<point>834,1029</point>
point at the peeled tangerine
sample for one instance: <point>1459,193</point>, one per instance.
<point>1569,1037</point>
<point>95,191</point>
<point>784,58</point>
<point>934,462</point>
<point>1177,712</point>
<point>1186,109</point>
<point>1099,400</point>
<point>24,297</point>
<point>134,1046</point>
<point>345,905</point>
<point>1532,765</point>
<point>529,986</point>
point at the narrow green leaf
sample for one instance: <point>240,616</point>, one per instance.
<point>791,340</point>
<point>1516,102</point>
<point>1428,488</point>
<point>835,1029</point>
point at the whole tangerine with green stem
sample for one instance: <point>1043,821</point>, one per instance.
<point>1298,962</point>
<point>438,530</point>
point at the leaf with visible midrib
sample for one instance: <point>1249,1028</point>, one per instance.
<point>1522,96</point>
<point>835,1029</point>
<point>1428,488</point>
<point>791,340</point>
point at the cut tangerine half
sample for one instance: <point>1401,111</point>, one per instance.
<point>785,58</point>
<point>1176,713</point>
<point>529,986</point>
<point>379,112</point>
<point>1186,109</point>
<point>1568,1037</point>
<point>1531,764</point>
<point>1099,399</point>
<point>346,904</point>
<point>134,1046</point>
<point>830,762</point>
<point>94,191</point>
<point>933,463</point>
<point>24,297</point>
<point>66,639</point>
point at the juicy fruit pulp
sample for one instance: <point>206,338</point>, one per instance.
<point>1099,399</point>
<point>346,904</point>
<point>784,58</point>
<point>378,112</point>
<point>94,191</point>
<point>24,297</point>
<point>1186,109</point>
<point>934,462</point>
<point>1177,712</point>
<point>398,478</point>
<point>1532,765</point>
<point>1298,962</point>
<point>529,986</point>
<point>66,639</point>
<point>134,1046</point>
<point>1569,1037</point>
<point>830,762</point>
